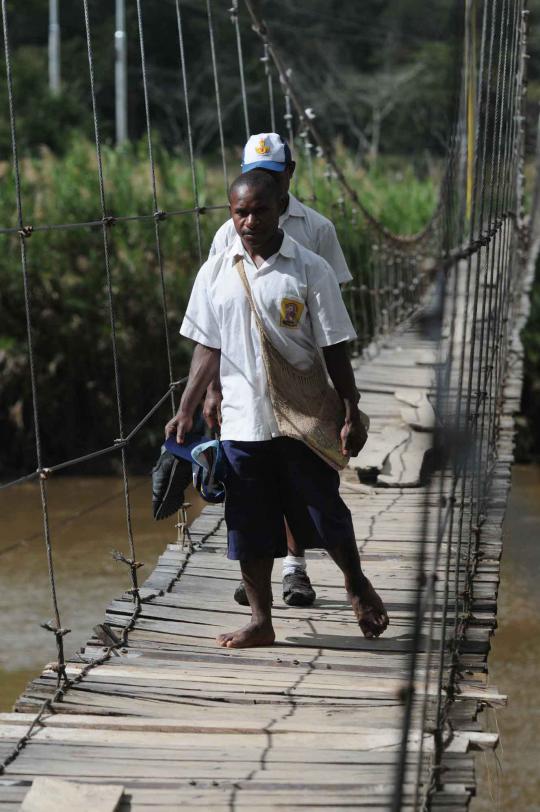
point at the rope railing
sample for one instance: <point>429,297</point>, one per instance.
<point>92,455</point>
<point>111,220</point>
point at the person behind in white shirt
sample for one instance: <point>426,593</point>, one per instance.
<point>269,151</point>
<point>270,476</point>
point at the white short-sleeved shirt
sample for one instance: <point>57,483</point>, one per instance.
<point>300,304</point>
<point>304,225</point>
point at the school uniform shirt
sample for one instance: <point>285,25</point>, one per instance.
<point>301,307</point>
<point>304,225</point>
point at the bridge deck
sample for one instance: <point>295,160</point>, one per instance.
<point>315,720</point>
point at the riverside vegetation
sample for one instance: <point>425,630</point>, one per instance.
<point>69,301</point>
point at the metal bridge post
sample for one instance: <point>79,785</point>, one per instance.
<point>54,48</point>
<point>120,72</point>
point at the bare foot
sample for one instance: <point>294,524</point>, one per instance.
<point>251,635</point>
<point>369,610</point>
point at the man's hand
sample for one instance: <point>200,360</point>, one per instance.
<point>353,436</point>
<point>212,406</point>
<point>179,426</point>
<point>204,369</point>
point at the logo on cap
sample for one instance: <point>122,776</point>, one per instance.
<point>261,148</point>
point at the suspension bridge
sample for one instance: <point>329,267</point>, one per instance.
<point>149,713</point>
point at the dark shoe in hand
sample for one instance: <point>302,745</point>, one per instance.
<point>297,589</point>
<point>170,478</point>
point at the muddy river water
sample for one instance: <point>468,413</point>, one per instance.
<point>87,522</point>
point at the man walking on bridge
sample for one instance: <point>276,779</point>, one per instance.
<point>269,151</point>
<point>268,294</point>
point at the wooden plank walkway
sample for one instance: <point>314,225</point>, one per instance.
<point>312,722</point>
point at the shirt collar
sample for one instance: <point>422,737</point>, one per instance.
<point>286,250</point>
<point>294,209</point>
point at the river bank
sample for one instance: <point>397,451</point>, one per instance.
<point>509,780</point>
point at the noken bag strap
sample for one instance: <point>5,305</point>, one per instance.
<point>239,265</point>
<point>271,355</point>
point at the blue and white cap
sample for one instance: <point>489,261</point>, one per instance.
<point>210,470</point>
<point>266,151</point>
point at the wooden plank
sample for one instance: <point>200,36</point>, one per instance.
<point>47,794</point>
<point>404,464</point>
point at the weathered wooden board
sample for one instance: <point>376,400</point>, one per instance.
<point>49,794</point>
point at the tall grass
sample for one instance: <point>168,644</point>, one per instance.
<point>69,302</point>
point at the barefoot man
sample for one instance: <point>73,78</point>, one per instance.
<point>270,152</point>
<point>268,475</point>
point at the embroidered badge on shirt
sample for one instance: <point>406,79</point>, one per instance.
<point>261,148</point>
<point>291,312</point>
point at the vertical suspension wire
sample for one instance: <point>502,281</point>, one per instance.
<point>108,275</point>
<point>23,235</point>
<point>236,23</point>
<point>265,59</point>
<point>189,129</point>
<point>289,124</point>
<point>492,283</point>
<point>288,116</point>
<point>451,217</point>
<point>479,314</point>
<point>421,589</point>
<point>412,667</point>
<point>308,148</point>
<point>217,92</point>
<point>486,376</point>
<point>468,474</point>
<point>360,292</point>
<point>158,215</point>
<point>376,251</point>
<point>456,463</point>
<point>474,196</point>
<point>387,259</point>
<point>511,275</point>
<point>481,226</point>
<point>363,273</point>
<point>514,191</point>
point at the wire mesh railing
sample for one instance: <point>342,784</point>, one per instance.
<point>481,274</point>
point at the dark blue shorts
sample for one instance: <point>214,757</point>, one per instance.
<point>268,480</point>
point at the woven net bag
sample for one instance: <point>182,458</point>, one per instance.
<point>306,406</point>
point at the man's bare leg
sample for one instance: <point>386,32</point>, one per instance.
<point>256,575</point>
<point>293,546</point>
<point>366,603</point>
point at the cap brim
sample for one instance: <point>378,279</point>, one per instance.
<point>183,451</point>
<point>273,166</point>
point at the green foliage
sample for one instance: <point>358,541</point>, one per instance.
<point>69,291</point>
<point>42,119</point>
